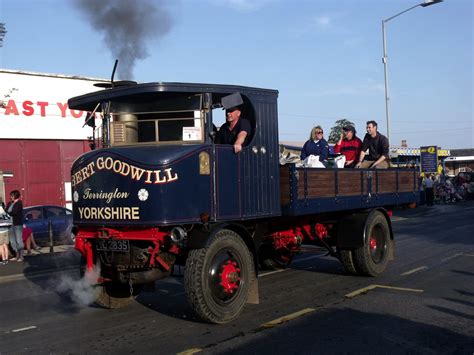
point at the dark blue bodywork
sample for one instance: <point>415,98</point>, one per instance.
<point>173,188</point>
<point>158,202</point>
<point>239,186</point>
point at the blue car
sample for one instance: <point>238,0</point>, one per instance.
<point>38,219</point>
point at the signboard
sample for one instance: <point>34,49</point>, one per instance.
<point>34,106</point>
<point>191,133</point>
<point>429,159</point>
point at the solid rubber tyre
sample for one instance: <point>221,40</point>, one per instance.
<point>204,283</point>
<point>347,259</point>
<point>372,258</point>
<point>114,295</point>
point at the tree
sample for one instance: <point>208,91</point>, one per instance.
<point>3,32</point>
<point>337,130</point>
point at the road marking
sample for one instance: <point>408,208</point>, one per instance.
<point>190,351</point>
<point>39,274</point>
<point>401,241</point>
<point>360,291</point>
<point>23,329</point>
<point>397,218</point>
<point>287,318</point>
<point>414,270</point>
<point>309,258</point>
<point>451,257</point>
<point>272,272</point>
<point>371,287</point>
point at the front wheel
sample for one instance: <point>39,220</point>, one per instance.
<point>217,278</point>
<point>115,295</point>
<point>372,258</point>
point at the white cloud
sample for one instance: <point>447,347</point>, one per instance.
<point>353,41</point>
<point>323,21</point>
<point>241,5</point>
<point>327,23</point>
<point>359,89</point>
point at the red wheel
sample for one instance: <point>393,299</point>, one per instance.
<point>217,279</point>
<point>372,258</point>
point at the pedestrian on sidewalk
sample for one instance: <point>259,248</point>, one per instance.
<point>4,246</point>
<point>4,225</point>
<point>29,240</point>
<point>421,188</point>
<point>15,210</point>
<point>428,182</point>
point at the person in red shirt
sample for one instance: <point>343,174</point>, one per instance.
<point>349,145</point>
<point>29,239</point>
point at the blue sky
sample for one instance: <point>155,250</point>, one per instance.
<point>323,56</point>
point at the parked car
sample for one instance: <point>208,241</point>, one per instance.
<point>38,218</point>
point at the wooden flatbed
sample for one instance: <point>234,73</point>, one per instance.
<point>310,191</point>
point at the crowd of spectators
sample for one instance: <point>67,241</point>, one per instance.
<point>446,189</point>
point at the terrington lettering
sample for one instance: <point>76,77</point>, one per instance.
<point>124,169</point>
<point>107,196</point>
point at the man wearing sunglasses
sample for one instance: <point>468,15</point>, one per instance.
<point>235,131</point>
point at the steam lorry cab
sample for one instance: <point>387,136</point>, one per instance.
<point>157,191</point>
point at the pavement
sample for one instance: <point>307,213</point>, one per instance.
<point>41,263</point>
<point>425,210</point>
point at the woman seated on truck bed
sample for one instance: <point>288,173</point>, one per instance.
<point>316,145</point>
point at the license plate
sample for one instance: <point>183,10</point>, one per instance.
<point>113,245</point>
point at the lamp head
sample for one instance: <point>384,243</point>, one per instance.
<point>430,2</point>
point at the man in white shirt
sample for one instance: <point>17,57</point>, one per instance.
<point>428,182</point>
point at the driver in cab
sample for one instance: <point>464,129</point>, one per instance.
<point>236,129</point>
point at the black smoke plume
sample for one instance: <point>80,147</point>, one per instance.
<point>127,27</point>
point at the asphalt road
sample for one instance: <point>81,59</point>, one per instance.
<point>424,303</point>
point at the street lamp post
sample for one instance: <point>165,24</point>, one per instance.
<point>385,57</point>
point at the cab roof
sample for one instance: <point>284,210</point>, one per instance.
<point>89,101</point>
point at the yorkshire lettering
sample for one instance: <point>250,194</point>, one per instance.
<point>119,167</point>
<point>126,213</point>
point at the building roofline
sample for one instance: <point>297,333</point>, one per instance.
<point>51,75</point>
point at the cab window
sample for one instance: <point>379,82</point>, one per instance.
<point>161,118</point>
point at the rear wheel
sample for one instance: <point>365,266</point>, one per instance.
<point>372,258</point>
<point>217,279</point>
<point>347,261</point>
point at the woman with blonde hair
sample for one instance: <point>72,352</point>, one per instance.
<point>316,145</point>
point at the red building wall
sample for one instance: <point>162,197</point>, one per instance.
<point>40,168</point>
